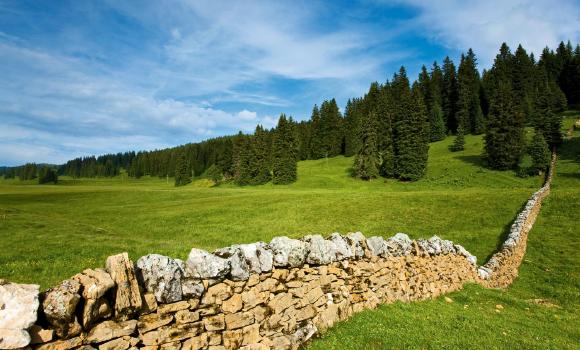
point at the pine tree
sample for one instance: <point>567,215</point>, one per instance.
<point>215,174</point>
<point>242,155</point>
<point>459,142</point>
<point>366,162</point>
<point>182,173</point>
<point>449,94</point>
<point>539,152</point>
<point>436,124</point>
<point>436,85</point>
<point>504,138</point>
<point>469,86</point>
<point>284,164</point>
<point>317,135</point>
<point>411,137</point>
<point>259,157</point>
<point>331,129</point>
<point>353,126</point>
<point>478,120</point>
<point>47,175</point>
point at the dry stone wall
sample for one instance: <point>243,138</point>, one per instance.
<point>273,295</point>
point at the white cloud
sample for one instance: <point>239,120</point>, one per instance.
<point>484,25</point>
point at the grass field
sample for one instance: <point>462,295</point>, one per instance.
<point>49,233</point>
<point>540,310</point>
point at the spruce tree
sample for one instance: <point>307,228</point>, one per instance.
<point>317,135</point>
<point>242,155</point>
<point>539,152</point>
<point>459,142</point>
<point>468,87</point>
<point>366,162</point>
<point>436,124</point>
<point>449,94</point>
<point>478,120</point>
<point>411,137</point>
<point>284,163</point>
<point>352,121</point>
<point>504,137</point>
<point>259,157</point>
<point>182,174</point>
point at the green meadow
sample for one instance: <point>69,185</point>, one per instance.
<point>50,232</point>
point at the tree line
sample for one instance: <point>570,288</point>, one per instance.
<point>387,130</point>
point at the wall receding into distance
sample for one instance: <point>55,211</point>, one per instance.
<point>250,296</point>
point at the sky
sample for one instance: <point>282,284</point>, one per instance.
<point>81,77</point>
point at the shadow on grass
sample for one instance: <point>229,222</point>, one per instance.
<point>505,233</point>
<point>473,160</point>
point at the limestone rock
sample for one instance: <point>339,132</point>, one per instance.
<point>377,245</point>
<point>462,251</point>
<point>64,344</point>
<point>13,338</point>
<point>342,247</point>
<point>94,283</point>
<point>191,287</point>
<point>319,251</point>
<point>239,268</point>
<point>256,255</point>
<point>108,330</point>
<point>128,296</point>
<point>59,306</point>
<point>115,344</point>
<point>399,245</point>
<point>357,243</point>
<point>287,251</point>
<point>18,311</point>
<point>38,335</point>
<point>203,265</point>
<point>161,276</point>
<point>304,333</point>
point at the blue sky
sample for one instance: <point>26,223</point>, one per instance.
<point>91,77</point>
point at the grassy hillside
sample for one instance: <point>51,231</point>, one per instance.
<point>50,232</point>
<point>539,311</point>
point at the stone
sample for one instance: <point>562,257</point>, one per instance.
<point>173,307</point>
<point>192,288</point>
<point>239,268</point>
<point>185,316</point>
<point>319,251</point>
<point>18,311</point>
<point>94,283</point>
<point>161,276</point>
<point>196,343</point>
<point>108,330</point>
<point>62,344</point>
<point>93,310</point>
<point>257,256</point>
<point>341,246</point>
<point>38,335</point>
<point>287,251</point>
<point>233,339</point>
<point>13,338</point>
<point>239,320</point>
<point>399,245</point>
<point>377,245</point>
<point>357,243</point>
<point>306,312</point>
<point>59,306</point>
<point>280,302</point>
<point>233,304</point>
<point>462,251</point>
<point>217,294</point>
<point>150,322</point>
<point>203,265</point>
<point>172,333</point>
<point>115,344</point>
<point>281,343</point>
<point>128,296</point>
<point>251,334</point>
<point>304,333</point>
<point>148,302</point>
<point>214,323</point>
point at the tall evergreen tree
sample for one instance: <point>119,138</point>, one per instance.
<point>459,142</point>
<point>410,130</point>
<point>317,135</point>
<point>284,153</point>
<point>259,157</point>
<point>468,91</point>
<point>242,160</point>
<point>449,94</point>
<point>352,121</point>
<point>539,152</point>
<point>366,162</point>
<point>331,127</point>
<point>504,138</point>
<point>182,173</point>
<point>436,123</point>
<point>436,85</point>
